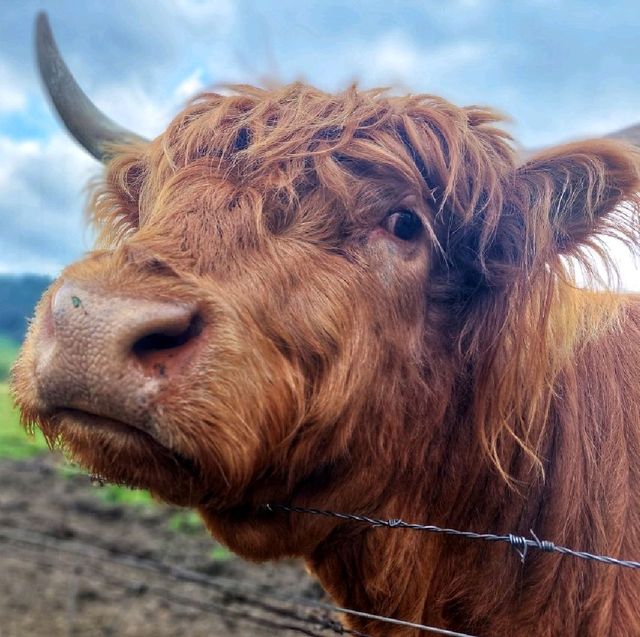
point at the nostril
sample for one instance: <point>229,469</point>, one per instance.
<point>168,338</point>
<point>162,347</point>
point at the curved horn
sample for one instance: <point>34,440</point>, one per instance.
<point>88,125</point>
<point>630,134</point>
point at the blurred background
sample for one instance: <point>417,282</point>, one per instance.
<point>559,70</point>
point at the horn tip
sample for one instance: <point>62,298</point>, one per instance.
<point>43,38</point>
<point>91,128</point>
<point>42,24</point>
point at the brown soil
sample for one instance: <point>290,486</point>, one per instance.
<point>72,565</point>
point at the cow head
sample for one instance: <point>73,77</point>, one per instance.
<point>287,287</point>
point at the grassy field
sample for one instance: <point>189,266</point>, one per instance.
<point>8,352</point>
<point>14,442</point>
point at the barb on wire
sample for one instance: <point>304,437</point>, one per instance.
<point>518,542</point>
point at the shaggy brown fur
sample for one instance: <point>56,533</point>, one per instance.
<point>459,378</point>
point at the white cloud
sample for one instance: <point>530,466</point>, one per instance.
<point>145,113</point>
<point>394,55</point>
<point>394,58</point>
<point>134,108</point>
<point>191,85</point>
<point>42,186</point>
<point>627,274</point>
<point>628,266</point>
<point>13,95</point>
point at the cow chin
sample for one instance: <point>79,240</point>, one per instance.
<point>118,453</point>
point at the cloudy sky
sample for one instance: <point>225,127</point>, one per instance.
<point>560,69</point>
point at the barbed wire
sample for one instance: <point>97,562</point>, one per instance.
<point>225,585</point>
<point>235,591</point>
<point>520,543</point>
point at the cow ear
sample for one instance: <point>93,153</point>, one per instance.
<point>571,195</point>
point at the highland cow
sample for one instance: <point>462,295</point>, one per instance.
<point>365,303</point>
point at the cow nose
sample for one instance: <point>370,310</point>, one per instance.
<point>126,330</point>
<point>106,353</point>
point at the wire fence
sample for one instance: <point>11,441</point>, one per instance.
<point>238,601</point>
<point>520,543</point>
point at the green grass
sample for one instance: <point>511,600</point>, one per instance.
<point>188,522</point>
<point>8,353</point>
<point>220,554</point>
<point>113,494</point>
<point>14,441</point>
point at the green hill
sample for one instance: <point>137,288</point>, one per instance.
<point>18,296</point>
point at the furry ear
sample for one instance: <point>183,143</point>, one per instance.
<point>570,195</point>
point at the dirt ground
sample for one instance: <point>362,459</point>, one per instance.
<point>72,565</point>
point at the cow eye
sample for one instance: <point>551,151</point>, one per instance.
<point>403,224</point>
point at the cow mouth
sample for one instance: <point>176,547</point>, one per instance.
<point>96,421</point>
<point>70,420</point>
<point>117,452</point>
